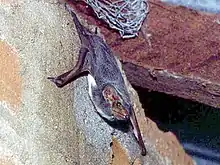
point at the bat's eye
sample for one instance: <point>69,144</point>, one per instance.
<point>118,104</point>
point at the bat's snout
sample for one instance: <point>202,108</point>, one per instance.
<point>120,113</point>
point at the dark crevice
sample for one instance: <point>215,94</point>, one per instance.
<point>197,126</point>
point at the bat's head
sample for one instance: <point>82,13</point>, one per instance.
<point>117,105</point>
<point>123,111</point>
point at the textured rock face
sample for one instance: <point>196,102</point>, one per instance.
<point>36,122</point>
<point>41,124</point>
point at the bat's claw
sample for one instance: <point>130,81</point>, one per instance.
<point>57,81</point>
<point>143,151</point>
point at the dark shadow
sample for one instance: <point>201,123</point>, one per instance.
<point>197,126</point>
<point>121,125</point>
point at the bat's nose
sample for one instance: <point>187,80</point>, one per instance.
<point>126,117</point>
<point>121,115</point>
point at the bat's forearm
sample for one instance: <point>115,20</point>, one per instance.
<point>73,74</point>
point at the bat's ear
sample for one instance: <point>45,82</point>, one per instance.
<point>108,92</point>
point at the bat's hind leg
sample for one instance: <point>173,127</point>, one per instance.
<point>73,74</point>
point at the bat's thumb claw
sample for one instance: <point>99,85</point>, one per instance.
<point>51,79</point>
<point>59,83</point>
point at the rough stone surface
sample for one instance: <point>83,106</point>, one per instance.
<point>179,43</point>
<point>37,123</point>
<point>41,124</point>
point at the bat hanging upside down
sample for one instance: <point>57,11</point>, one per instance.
<point>106,85</point>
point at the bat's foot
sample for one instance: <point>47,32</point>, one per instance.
<point>56,80</point>
<point>143,151</point>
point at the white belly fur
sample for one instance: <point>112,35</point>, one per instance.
<point>92,83</point>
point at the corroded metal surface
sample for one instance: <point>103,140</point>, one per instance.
<point>183,42</point>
